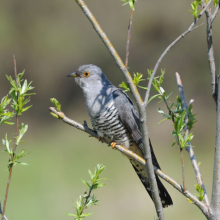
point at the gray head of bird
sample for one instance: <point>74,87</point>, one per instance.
<point>90,77</point>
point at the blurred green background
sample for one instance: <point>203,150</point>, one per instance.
<point>50,39</point>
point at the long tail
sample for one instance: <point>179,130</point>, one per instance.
<point>164,195</point>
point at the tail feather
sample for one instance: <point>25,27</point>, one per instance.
<point>164,195</point>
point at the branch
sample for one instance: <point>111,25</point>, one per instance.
<point>215,12</point>
<point>167,50</point>
<point>128,39</point>
<point>14,148</point>
<point>211,59</point>
<point>190,149</point>
<point>216,171</point>
<point>139,159</point>
<point>140,105</point>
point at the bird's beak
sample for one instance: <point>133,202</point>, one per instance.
<point>72,75</point>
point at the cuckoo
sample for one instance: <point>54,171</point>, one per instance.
<point>114,118</point>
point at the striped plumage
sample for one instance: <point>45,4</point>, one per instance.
<point>115,118</point>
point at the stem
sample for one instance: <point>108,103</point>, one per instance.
<point>14,148</point>
<point>128,39</point>
<point>183,170</point>
<point>87,197</point>
<point>167,50</point>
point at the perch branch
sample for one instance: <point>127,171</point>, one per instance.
<point>140,105</point>
<point>139,159</point>
<point>190,149</point>
<point>167,50</point>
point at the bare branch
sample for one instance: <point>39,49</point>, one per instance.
<point>139,159</point>
<point>210,52</point>
<point>215,12</point>
<point>167,50</point>
<point>128,39</point>
<point>140,105</point>
<point>190,149</point>
<point>215,201</point>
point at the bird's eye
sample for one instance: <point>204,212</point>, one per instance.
<point>86,74</point>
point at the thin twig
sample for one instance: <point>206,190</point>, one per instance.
<point>14,148</point>
<point>140,105</point>
<point>87,197</point>
<point>215,12</point>
<point>190,149</point>
<point>136,157</point>
<point>167,50</point>
<point>128,39</point>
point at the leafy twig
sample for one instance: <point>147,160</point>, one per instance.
<point>18,93</point>
<point>188,148</point>
<point>86,200</point>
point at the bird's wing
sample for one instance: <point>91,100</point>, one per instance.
<point>130,118</point>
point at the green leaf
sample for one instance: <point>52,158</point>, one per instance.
<point>56,104</point>
<point>86,183</point>
<point>22,130</point>
<point>124,86</point>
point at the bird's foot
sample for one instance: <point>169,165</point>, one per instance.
<point>99,138</point>
<point>113,144</point>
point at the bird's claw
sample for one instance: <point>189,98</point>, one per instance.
<point>113,144</point>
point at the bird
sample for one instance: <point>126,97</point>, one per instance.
<point>115,119</point>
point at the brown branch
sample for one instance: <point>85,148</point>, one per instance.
<point>128,39</point>
<point>14,148</point>
<point>140,105</point>
<point>139,159</point>
<point>167,50</point>
<point>190,149</point>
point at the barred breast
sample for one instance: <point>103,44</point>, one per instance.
<point>108,126</point>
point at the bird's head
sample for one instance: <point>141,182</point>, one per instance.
<point>89,76</point>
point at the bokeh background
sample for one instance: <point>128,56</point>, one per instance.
<point>50,39</point>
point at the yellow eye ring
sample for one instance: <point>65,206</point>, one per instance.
<point>86,74</point>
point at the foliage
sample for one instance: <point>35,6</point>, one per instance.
<point>57,106</point>
<point>194,6</point>
<point>130,2</point>
<point>5,114</point>
<point>86,200</point>
<point>137,78</point>
<point>19,98</point>
<point>216,2</point>
<point>19,93</point>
